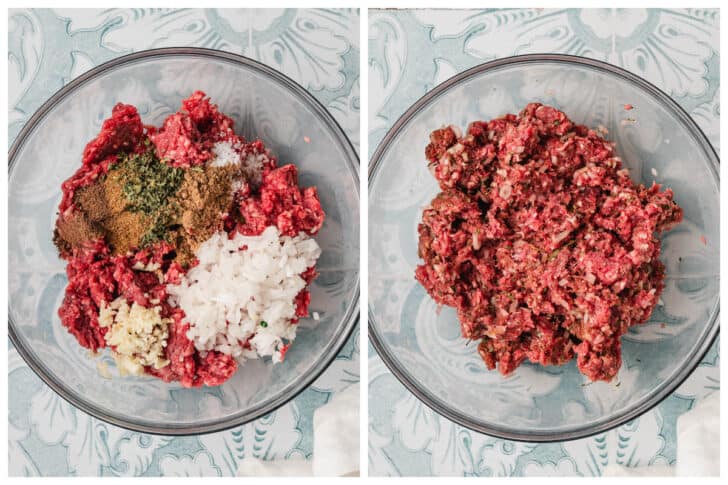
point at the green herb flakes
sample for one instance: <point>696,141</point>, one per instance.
<point>147,183</point>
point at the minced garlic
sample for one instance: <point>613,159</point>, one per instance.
<point>138,335</point>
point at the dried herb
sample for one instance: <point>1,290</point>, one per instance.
<point>147,182</point>
<point>159,228</point>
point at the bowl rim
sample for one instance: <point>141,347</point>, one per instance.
<point>350,320</point>
<point>668,386</point>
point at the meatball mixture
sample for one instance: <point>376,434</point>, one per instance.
<point>541,242</point>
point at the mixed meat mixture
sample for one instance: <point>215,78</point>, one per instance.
<point>189,219</point>
<point>541,242</point>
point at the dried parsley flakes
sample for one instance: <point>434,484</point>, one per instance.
<point>147,182</point>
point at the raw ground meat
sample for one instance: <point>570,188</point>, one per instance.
<point>186,365</point>
<point>186,138</point>
<point>541,242</point>
<point>282,203</point>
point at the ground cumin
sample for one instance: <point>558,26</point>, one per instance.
<point>101,210</point>
<point>101,200</point>
<point>105,204</point>
<point>201,203</point>
<point>185,218</point>
<point>73,230</point>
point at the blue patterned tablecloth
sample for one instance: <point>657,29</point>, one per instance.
<point>47,49</point>
<point>410,52</point>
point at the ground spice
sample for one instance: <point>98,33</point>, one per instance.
<point>106,207</point>
<point>203,199</point>
<point>124,231</point>
<point>93,204</point>
<point>101,200</point>
<point>143,200</point>
<point>147,184</point>
<point>102,209</point>
<point>73,230</point>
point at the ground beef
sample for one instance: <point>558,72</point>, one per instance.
<point>214,368</point>
<point>180,352</point>
<point>90,283</point>
<point>186,365</point>
<point>281,203</point>
<point>541,242</point>
<point>186,137</point>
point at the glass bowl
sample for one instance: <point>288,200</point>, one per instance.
<point>423,348</point>
<point>264,104</point>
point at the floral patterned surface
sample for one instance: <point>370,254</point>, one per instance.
<point>47,49</point>
<point>410,52</point>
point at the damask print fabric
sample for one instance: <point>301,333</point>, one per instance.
<point>411,52</point>
<point>48,48</point>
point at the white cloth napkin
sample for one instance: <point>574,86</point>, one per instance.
<point>698,445</point>
<point>335,444</point>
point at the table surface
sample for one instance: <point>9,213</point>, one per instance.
<point>48,48</point>
<point>410,52</point>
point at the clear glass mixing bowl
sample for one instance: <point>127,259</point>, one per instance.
<point>423,348</point>
<point>264,104</point>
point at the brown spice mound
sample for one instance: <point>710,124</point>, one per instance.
<point>124,231</point>
<point>99,210</point>
<point>73,230</point>
<point>101,200</point>
<point>201,204</point>
<point>196,211</point>
<point>102,207</point>
<point>104,204</point>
